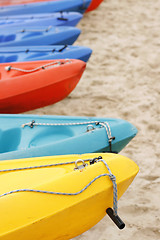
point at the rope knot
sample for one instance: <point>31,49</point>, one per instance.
<point>112,177</point>
<point>32,124</point>
<point>111,138</point>
<point>8,68</point>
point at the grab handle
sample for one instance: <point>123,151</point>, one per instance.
<point>115,218</point>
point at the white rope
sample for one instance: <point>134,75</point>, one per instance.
<point>33,123</point>
<point>107,127</point>
<point>54,64</point>
<point>33,50</point>
<point>34,30</point>
<point>103,124</point>
<point>28,17</point>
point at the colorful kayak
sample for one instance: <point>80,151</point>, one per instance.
<point>94,4</point>
<point>32,53</point>
<point>30,85</point>
<point>46,7</point>
<point>61,197</point>
<point>23,136</point>
<point>18,36</point>
<point>52,19</point>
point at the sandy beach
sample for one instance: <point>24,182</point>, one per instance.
<point>122,81</point>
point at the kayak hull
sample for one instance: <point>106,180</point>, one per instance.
<point>18,36</point>
<point>45,20</point>
<point>94,4</point>
<point>35,216</point>
<point>20,91</point>
<point>73,137</point>
<point>34,53</point>
<point>46,7</point>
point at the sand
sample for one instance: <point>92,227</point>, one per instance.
<point>122,81</point>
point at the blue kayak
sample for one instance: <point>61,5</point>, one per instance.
<point>23,136</point>
<point>33,53</point>
<point>53,19</point>
<point>17,36</point>
<point>46,7</point>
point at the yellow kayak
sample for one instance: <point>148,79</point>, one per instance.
<point>60,197</point>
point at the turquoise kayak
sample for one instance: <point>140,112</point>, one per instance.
<point>25,136</point>
<point>46,7</point>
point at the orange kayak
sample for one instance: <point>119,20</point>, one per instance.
<point>94,3</point>
<point>26,86</point>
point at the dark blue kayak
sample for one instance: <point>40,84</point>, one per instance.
<point>33,53</point>
<point>23,136</point>
<point>46,7</point>
<point>54,19</point>
<point>32,36</point>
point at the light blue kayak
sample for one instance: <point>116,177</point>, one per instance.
<point>25,136</point>
<point>17,36</point>
<point>33,53</point>
<point>53,19</point>
<point>46,7</point>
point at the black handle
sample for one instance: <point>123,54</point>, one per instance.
<point>62,19</point>
<point>115,218</point>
